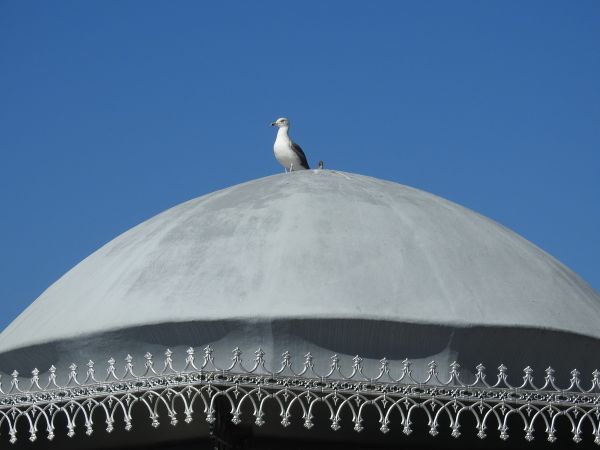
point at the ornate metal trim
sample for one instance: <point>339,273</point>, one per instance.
<point>88,399</point>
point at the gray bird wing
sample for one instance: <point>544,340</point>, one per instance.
<point>298,150</point>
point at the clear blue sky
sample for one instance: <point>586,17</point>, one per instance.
<point>111,112</point>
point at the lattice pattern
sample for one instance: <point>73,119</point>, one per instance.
<point>86,400</point>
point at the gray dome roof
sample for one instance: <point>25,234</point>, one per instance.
<point>305,248</point>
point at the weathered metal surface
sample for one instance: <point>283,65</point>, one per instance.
<point>311,245</point>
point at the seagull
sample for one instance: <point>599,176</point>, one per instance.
<point>288,153</point>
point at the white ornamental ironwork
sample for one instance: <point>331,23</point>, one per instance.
<point>87,398</point>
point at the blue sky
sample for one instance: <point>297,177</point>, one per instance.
<point>111,112</point>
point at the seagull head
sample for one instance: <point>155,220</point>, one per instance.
<point>281,122</point>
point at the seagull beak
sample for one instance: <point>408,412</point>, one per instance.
<point>273,124</point>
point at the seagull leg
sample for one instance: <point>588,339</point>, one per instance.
<point>291,167</point>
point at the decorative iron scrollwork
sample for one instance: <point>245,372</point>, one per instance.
<point>87,399</point>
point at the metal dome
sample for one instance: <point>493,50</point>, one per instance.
<point>323,261</point>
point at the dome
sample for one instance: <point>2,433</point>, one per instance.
<point>320,261</point>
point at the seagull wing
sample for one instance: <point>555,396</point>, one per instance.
<point>300,153</point>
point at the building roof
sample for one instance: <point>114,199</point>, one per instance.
<point>318,263</point>
<point>313,244</point>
